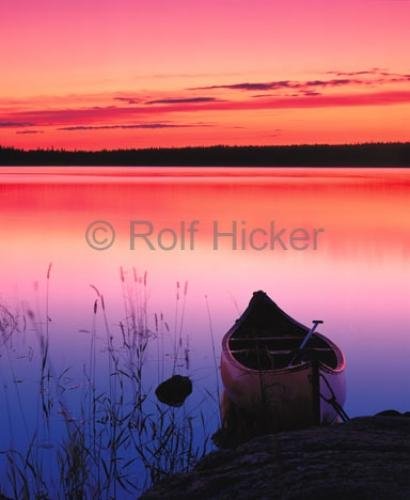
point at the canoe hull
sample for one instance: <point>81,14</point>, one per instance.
<point>290,396</point>
<point>263,378</point>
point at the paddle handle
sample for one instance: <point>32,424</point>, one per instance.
<point>315,322</point>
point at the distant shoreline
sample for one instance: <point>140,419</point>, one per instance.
<point>320,155</point>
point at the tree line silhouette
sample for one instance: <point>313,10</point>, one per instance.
<point>321,155</point>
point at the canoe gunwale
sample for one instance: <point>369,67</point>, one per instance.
<point>226,349</point>
<point>341,363</point>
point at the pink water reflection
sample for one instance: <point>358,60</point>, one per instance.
<point>356,280</point>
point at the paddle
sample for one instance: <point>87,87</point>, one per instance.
<point>302,346</point>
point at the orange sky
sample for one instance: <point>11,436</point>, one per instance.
<point>98,73</point>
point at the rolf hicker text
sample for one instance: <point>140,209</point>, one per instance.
<point>233,235</point>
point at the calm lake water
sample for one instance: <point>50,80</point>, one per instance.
<point>347,264</point>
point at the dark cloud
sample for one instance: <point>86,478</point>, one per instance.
<point>128,100</point>
<point>311,93</point>
<point>15,124</point>
<point>372,71</point>
<point>294,94</point>
<point>336,82</point>
<point>158,125</point>
<point>384,76</point>
<point>249,86</point>
<point>25,132</point>
<point>137,116</point>
<point>182,100</point>
<point>259,96</point>
<point>379,77</point>
<point>285,84</point>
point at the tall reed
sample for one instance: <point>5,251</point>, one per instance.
<point>103,438</point>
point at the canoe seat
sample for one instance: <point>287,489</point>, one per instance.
<point>265,356</point>
<point>267,339</point>
<point>280,351</point>
<point>275,343</point>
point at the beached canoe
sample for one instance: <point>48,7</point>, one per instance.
<point>263,370</point>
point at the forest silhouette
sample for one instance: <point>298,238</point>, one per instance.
<point>320,155</point>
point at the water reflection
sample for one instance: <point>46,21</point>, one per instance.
<point>355,279</point>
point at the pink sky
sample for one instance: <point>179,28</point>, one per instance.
<point>99,73</point>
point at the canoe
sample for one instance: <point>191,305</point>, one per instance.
<point>261,375</point>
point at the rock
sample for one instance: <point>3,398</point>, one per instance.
<point>366,458</point>
<point>174,390</point>
<point>388,413</point>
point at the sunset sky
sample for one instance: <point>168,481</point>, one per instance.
<point>135,73</point>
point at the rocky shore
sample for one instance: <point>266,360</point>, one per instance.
<point>365,458</point>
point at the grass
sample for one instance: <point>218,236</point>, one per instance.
<point>115,440</point>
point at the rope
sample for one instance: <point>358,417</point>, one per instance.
<point>333,401</point>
